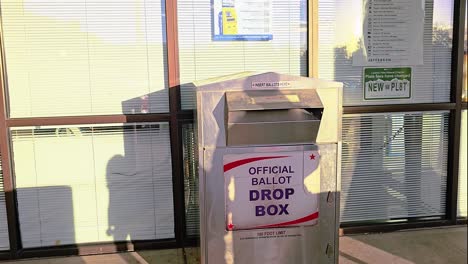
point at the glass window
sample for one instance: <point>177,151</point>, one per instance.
<point>192,212</point>
<point>67,58</point>
<point>203,57</point>
<point>4,239</point>
<point>82,184</point>
<point>394,165</point>
<point>462,173</point>
<point>340,29</point>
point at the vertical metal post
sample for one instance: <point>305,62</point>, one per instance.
<point>8,182</point>
<point>174,103</point>
<point>312,38</point>
<point>455,115</point>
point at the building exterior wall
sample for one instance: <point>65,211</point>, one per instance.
<point>96,117</point>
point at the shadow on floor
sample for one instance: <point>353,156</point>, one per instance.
<point>436,245</point>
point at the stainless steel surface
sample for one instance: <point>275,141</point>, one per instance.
<point>267,133</point>
<point>269,127</point>
<point>223,246</point>
<point>272,99</point>
<point>230,122</point>
<point>274,148</point>
<point>272,117</point>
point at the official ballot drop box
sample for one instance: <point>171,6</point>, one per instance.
<point>269,169</point>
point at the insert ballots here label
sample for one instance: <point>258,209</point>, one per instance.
<point>268,190</point>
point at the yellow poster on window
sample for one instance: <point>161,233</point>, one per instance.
<point>236,20</point>
<point>229,21</point>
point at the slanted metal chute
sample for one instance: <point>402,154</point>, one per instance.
<point>272,117</point>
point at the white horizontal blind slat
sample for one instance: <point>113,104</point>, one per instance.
<point>84,57</point>
<point>93,183</point>
<point>394,165</point>
<point>338,24</point>
<point>200,57</point>
<point>462,173</point>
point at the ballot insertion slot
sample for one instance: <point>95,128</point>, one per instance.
<point>268,117</point>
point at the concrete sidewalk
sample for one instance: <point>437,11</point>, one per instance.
<point>437,245</point>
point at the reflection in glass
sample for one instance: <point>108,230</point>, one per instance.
<point>83,184</point>
<point>463,170</point>
<point>201,57</point>
<point>192,217</point>
<point>83,57</point>
<point>394,165</point>
<point>340,28</point>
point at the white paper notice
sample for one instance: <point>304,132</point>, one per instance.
<point>242,20</point>
<point>392,33</point>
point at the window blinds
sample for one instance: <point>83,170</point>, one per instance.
<point>462,173</point>
<point>84,57</point>
<point>93,183</point>
<point>338,24</point>
<point>200,57</point>
<point>4,239</point>
<point>394,165</point>
<point>191,188</point>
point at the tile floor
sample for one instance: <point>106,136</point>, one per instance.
<point>436,245</point>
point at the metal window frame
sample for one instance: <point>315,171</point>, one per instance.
<point>177,117</point>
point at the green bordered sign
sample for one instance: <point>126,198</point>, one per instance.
<point>387,83</point>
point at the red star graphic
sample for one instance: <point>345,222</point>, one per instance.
<point>230,226</point>
<point>312,156</point>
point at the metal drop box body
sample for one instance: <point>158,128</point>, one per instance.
<point>269,148</point>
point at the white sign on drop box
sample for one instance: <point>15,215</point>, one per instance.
<point>267,190</point>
